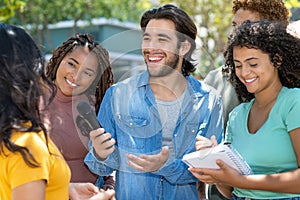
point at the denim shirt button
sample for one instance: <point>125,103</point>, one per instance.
<point>193,131</point>
<point>195,99</point>
<point>130,124</point>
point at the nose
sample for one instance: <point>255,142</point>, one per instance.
<point>148,44</point>
<point>245,71</point>
<point>74,75</point>
<point>152,44</point>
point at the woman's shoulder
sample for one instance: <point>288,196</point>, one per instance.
<point>289,94</point>
<point>34,141</point>
<point>242,107</point>
<point>292,91</point>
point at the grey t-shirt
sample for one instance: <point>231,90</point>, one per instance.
<point>169,111</point>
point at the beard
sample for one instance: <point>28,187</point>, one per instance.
<point>166,69</point>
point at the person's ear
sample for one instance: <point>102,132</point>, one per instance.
<point>184,48</point>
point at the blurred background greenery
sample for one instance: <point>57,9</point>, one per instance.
<point>213,18</point>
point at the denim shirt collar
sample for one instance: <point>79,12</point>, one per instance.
<point>193,85</point>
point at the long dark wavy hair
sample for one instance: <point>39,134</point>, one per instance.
<point>22,85</point>
<point>184,25</point>
<point>273,39</point>
<point>105,76</point>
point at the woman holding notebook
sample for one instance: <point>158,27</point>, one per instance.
<point>264,61</point>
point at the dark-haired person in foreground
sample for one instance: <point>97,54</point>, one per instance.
<point>32,167</point>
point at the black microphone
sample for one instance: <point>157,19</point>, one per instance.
<point>88,115</point>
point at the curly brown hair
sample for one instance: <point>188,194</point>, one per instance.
<point>105,78</point>
<point>273,39</point>
<point>272,10</point>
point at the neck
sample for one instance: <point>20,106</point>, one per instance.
<point>268,97</point>
<point>168,88</point>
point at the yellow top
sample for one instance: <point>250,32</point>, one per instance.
<point>53,168</point>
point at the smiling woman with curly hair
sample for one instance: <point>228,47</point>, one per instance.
<point>264,62</point>
<point>283,50</point>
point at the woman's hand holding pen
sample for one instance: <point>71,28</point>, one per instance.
<point>102,143</point>
<point>224,178</point>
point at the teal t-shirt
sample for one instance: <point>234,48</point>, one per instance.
<point>270,149</point>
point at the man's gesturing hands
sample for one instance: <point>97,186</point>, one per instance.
<point>148,163</point>
<point>103,146</point>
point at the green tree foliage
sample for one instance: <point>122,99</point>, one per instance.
<point>213,18</point>
<point>292,4</point>
<point>36,15</point>
<point>9,7</point>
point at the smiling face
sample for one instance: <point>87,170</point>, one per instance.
<point>77,71</point>
<point>160,48</point>
<point>254,69</point>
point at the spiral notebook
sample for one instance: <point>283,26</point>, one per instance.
<point>206,158</point>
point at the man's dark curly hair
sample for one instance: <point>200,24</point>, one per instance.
<point>105,78</point>
<point>273,39</point>
<point>272,10</point>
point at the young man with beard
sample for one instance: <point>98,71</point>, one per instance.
<point>152,120</point>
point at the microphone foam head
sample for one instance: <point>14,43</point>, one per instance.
<point>84,108</point>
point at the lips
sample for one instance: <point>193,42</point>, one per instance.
<point>251,80</point>
<point>70,83</point>
<point>155,59</point>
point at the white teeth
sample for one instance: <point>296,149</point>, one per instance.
<point>249,80</point>
<point>70,83</point>
<point>154,59</point>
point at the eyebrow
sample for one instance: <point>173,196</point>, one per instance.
<point>146,34</point>
<point>160,35</point>
<point>89,69</point>
<point>164,35</point>
<point>248,59</point>
<point>74,60</point>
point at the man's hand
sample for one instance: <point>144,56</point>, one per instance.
<point>148,163</point>
<point>102,143</point>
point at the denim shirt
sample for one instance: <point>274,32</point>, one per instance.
<point>128,111</point>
